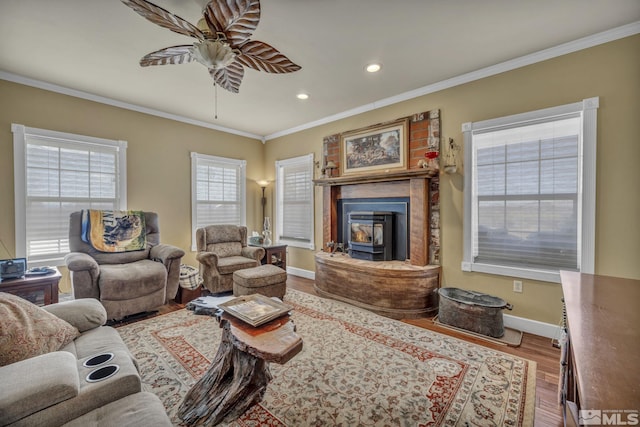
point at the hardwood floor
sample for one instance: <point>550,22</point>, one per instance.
<point>538,349</point>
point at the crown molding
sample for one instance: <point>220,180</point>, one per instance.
<point>15,78</point>
<point>542,55</point>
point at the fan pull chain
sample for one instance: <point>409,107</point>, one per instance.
<point>215,88</point>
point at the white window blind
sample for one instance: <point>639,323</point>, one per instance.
<point>57,174</point>
<point>294,207</point>
<point>218,192</point>
<point>526,194</point>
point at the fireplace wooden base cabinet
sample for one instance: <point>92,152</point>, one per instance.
<point>394,289</point>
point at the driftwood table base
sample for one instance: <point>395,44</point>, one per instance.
<point>239,374</point>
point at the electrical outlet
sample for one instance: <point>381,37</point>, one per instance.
<point>517,286</point>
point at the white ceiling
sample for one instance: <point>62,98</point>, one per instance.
<point>93,46</point>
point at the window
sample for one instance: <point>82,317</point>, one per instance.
<point>217,192</point>
<point>56,174</point>
<point>530,193</point>
<point>294,202</point>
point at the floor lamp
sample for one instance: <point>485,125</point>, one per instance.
<point>263,184</point>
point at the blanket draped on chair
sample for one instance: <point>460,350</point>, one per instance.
<point>114,231</point>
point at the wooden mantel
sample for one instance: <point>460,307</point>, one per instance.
<point>413,184</point>
<point>389,176</point>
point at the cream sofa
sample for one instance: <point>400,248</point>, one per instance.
<point>52,389</point>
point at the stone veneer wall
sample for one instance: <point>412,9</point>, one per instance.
<point>424,137</point>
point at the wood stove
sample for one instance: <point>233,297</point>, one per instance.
<point>371,235</point>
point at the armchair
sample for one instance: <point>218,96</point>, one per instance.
<point>124,282</point>
<point>222,249</point>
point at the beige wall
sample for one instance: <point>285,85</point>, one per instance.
<point>158,158</point>
<point>610,71</point>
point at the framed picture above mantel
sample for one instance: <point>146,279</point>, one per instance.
<point>378,148</point>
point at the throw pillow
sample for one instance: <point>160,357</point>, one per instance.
<point>27,330</point>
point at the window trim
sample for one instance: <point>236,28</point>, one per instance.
<point>240,164</point>
<point>20,133</point>
<point>586,192</point>
<point>308,160</point>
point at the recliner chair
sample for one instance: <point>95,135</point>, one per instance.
<point>222,249</point>
<point>125,283</point>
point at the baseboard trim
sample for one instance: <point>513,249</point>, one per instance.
<point>532,326</point>
<point>294,271</point>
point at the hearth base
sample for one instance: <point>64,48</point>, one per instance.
<point>394,289</point>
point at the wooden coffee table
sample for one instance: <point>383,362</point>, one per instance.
<point>239,374</point>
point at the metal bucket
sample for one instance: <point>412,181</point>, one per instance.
<point>473,311</point>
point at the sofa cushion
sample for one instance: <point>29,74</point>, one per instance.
<point>91,395</point>
<point>37,383</point>
<point>27,330</point>
<point>225,249</point>
<point>137,410</point>
<point>120,282</point>
<point>233,263</point>
<point>84,313</point>
<point>223,233</point>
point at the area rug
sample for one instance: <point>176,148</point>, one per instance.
<point>356,369</point>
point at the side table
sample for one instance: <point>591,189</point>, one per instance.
<point>40,290</point>
<point>275,254</point>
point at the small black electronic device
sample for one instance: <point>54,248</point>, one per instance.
<point>39,271</point>
<point>12,268</point>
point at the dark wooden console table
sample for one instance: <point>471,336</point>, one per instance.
<point>275,254</point>
<point>603,359</point>
<point>239,374</point>
<point>40,290</point>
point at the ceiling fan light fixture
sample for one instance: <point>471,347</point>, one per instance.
<point>373,68</point>
<point>302,96</point>
<point>214,54</point>
<point>202,26</point>
<point>223,43</point>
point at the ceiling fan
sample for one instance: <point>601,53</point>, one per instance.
<point>222,41</point>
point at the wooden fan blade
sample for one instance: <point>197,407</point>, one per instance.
<point>164,18</point>
<point>263,57</point>
<point>237,19</point>
<point>230,77</point>
<point>168,55</point>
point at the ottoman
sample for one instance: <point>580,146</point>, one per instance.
<point>267,279</point>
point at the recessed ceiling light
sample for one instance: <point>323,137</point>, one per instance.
<point>373,68</point>
<point>302,96</point>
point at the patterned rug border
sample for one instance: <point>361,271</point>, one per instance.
<point>373,331</point>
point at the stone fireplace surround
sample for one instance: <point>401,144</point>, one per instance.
<point>397,289</point>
